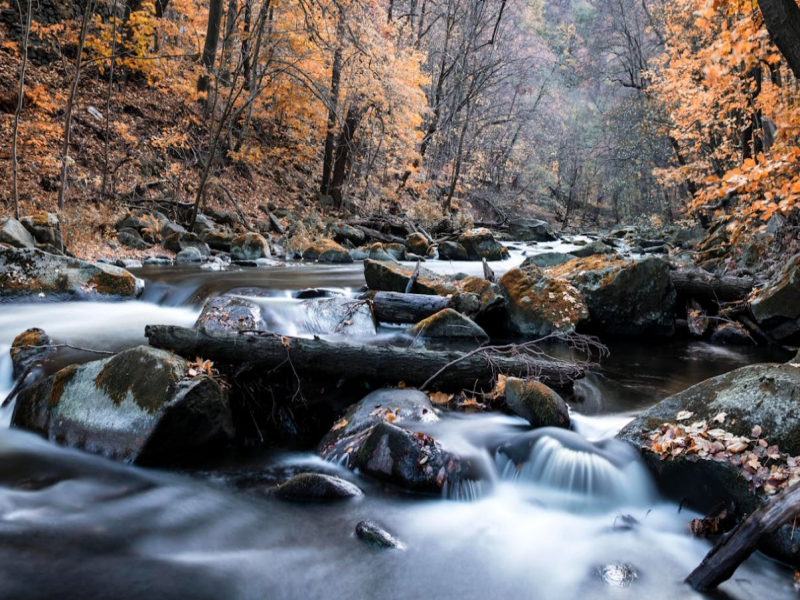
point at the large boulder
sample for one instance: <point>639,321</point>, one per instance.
<point>539,305</point>
<point>328,251</point>
<point>480,243</point>
<point>452,251</point>
<point>138,406</point>
<point>418,243</point>
<point>372,439</point>
<point>448,324</point>
<point>13,233</point>
<point>536,403</point>
<point>45,227</point>
<point>777,306</point>
<point>28,348</point>
<point>230,314</point>
<point>29,272</point>
<point>531,230</point>
<point>721,442</point>
<point>217,240</point>
<point>378,251</point>
<point>624,297</point>
<point>249,246</point>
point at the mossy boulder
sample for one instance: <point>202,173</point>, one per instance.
<point>480,243</point>
<point>13,233</point>
<point>396,250</point>
<point>249,246</point>
<point>625,298</point>
<point>45,227</point>
<point>418,243</point>
<point>31,272</point>
<point>138,406</point>
<point>777,305</point>
<point>29,347</point>
<point>449,324</point>
<point>536,403</point>
<point>316,486</point>
<point>539,305</point>
<point>327,251</point>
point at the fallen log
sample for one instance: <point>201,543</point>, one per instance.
<point>733,549</point>
<point>378,364</point>
<point>394,307</point>
<point>702,285</point>
<point>385,238</point>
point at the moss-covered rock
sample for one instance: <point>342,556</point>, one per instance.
<point>537,403</point>
<point>592,249</point>
<point>29,347</point>
<point>137,406</point>
<point>417,243</point>
<point>249,246</point>
<point>326,250</point>
<point>448,324</point>
<point>31,272</point>
<point>480,243</point>
<point>217,240</point>
<point>378,251</point>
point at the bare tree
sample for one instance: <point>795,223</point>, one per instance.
<point>20,97</point>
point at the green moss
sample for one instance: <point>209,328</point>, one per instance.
<point>113,285</point>
<point>149,379</point>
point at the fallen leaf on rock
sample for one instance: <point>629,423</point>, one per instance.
<point>684,415</point>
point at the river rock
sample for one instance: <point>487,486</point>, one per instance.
<point>132,239</point>
<point>591,249</point>
<point>28,272</point>
<point>342,232</point>
<point>396,250</point>
<point>327,251</point>
<point>531,230</point>
<point>13,233</point>
<point>391,277</point>
<point>168,228</point>
<point>128,263</point>
<point>325,316</point>
<point>480,243</point>
<point>176,242</point>
<point>374,534</point>
<point>448,324</point>
<point>731,334</point>
<point>777,306</point>
<point>29,347</point>
<point>230,314</point>
<point>203,223</point>
<point>189,255</point>
<point>138,406</point>
<point>378,251</point>
<point>417,243</point>
<point>624,297</point>
<point>547,259</point>
<point>217,240</point>
<point>539,305</point>
<point>452,251</point>
<point>45,227</point>
<point>249,246</point>
<point>537,403</point>
<point>316,486</point>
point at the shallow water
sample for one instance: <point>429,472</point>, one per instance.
<point>540,525</point>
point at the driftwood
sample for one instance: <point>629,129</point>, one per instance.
<point>719,564</point>
<point>701,285</point>
<point>412,281</point>
<point>386,238</point>
<point>378,364</point>
<point>394,307</point>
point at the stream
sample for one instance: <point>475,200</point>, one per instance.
<point>581,515</point>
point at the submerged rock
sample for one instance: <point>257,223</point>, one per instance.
<point>449,324</point>
<point>28,272</point>
<point>316,486</point>
<point>29,347</point>
<point>617,575</point>
<point>137,406</point>
<point>374,534</point>
<point>537,403</point>
<point>327,251</point>
<point>230,314</point>
<point>249,246</point>
<point>480,243</point>
<point>777,306</point>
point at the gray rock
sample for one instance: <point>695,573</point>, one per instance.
<point>531,230</point>
<point>316,486</point>
<point>536,403</point>
<point>452,251</point>
<point>46,229</point>
<point>203,223</point>
<point>396,251</point>
<point>29,347</point>
<point>480,243</point>
<point>249,246</point>
<point>275,224</point>
<point>342,232</point>
<point>137,406</point>
<point>168,228</point>
<point>448,324</point>
<point>131,238</point>
<point>326,250</point>
<point>617,575</point>
<point>591,249</point>
<point>732,334</point>
<point>417,243</point>
<point>777,306</point>
<point>159,261</point>
<point>547,259</point>
<point>378,251</point>
<point>217,240</point>
<point>13,232</point>
<point>325,316</point>
<point>374,534</point>
<point>180,241</point>
<point>230,314</point>
<point>189,255</point>
<point>128,263</point>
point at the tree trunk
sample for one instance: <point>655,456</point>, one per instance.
<point>378,364</point>
<point>782,19</point>
<point>211,43</point>
<point>333,106</point>
<point>20,98</point>
<point>344,155</point>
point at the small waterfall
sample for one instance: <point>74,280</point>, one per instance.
<point>566,470</point>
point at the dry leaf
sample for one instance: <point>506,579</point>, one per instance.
<point>684,415</point>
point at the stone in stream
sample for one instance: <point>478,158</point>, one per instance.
<point>756,401</point>
<point>337,314</point>
<point>480,243</point>
<point>378,251</point>
<point>452,251</point>
<point>316,486</point>
<point>142,405</point>
<point>731,334</point>
<point>547,259</point>
<point>13,233</point>
<point>327,251</point>
<point>531,230</point>
<point>375,535</point>
<point>396,251</point>
<point>536,403</point>
<point>448,324</point>
<point>777,306</point>
<point>417,243</point>
<point>230,314</point>
<point>188,256</point>
<point>249,246</point>
<point>31,272</point>
<point>617,575</point>
<point>539,305</point>
<point>29,347</point>
<point>592,249</point>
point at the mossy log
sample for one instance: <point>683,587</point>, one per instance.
<point>377,364</point>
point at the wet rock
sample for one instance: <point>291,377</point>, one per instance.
<point>128,263</point>
<point>340,315</point>
<point>249,246</point>
<point>311,293</point>
<point>777,306</point>
<point>189,255</point>
<point>158,260</point>
<point>547,259</point>
<point>591,249</point>
<point>618,576</point>
<point>623,297</point>
<point>531,230</point>
<point>396,251</point>
<point>137,406</point>
<point>537,403</point>
<point>417,243</point>
<point>342,232</point>
<point>230,314</point>
<point>731,334</point>
<point>377,251</point>
<point>13,233</point>
<point>29,347</point>
<point>539,305</point>
<point>179,241</point>
<point>316,486</point>
<point>452,251</point>
<point>374,534</point>
<point>480,243</point>
<point>28,272</point>
<point>449,324</point>
<point>217,240</point>
<point>327,251</point>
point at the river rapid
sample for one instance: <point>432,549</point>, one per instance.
<point>580,515</point>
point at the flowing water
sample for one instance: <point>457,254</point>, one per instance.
<point>559,514</point>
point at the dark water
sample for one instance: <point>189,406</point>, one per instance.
<point>77,526</point>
